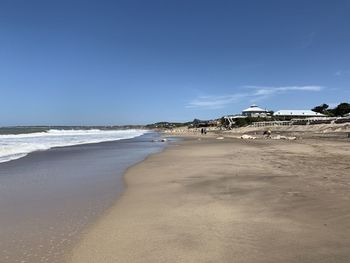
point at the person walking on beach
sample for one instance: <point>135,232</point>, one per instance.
<point>202,131</point>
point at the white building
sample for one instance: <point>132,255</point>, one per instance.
<point>298,113</point>
<point>254,111</point>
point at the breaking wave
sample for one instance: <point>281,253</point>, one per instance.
<point>15,146</point>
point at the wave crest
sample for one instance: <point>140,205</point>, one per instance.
<point>15,146</point>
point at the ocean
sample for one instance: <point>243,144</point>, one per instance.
<point>15,146</point>
<point>55,184</point>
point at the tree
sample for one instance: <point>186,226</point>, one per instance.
<point>321,109</point>
<point>341,109</point>
<point>222,121</point>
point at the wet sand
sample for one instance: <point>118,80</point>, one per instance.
<point>48,198</point>
<point>230,200</point>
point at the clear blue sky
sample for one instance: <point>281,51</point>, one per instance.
<point>118,62</point>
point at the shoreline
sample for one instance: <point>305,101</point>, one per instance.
<point>126,185</point>
<point>107,211</point>
<point>177,208</point>
<point>49,198</point>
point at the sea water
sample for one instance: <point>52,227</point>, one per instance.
<point>15,146</point>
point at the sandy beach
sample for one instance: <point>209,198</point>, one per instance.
<point>230,200</point>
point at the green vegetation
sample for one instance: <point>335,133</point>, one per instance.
<point>167,125</point>
<point>340,110</point>
<point>196,123</point>
<point>241,122</point>
<point>321,109</point>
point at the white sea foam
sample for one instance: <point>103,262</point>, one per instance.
<point>15,146</point>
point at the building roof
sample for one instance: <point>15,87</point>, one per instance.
<point>235,116</point>
<point>254,108</point>
<point>308,113</point>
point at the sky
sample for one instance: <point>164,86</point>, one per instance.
<point>138,62</point>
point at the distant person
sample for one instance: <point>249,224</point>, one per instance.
<point>202,131</point>
<point>205,130</point>
<point>267,134</point>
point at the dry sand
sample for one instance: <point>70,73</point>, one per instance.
<point>230,200</point>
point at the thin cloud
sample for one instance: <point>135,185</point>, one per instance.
<point>215,102</point>
<point>341,72</point>
<point>264,91</point>
<point>256,93</point>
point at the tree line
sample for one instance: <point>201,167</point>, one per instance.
<point>340,110</point>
